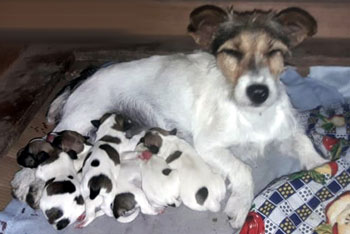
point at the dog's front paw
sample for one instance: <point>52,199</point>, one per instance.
<point>237,210</point>
<point>145,155</point>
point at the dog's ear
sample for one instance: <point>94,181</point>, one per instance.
<point>173,131</point>
<point>298,24</point>
<point>96,123</point>
<point>204,22</point>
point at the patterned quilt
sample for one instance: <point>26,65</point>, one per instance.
<point>315,201</point>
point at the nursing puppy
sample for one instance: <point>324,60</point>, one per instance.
<point>230,102</point>
<point>200,188</point>
<point>108,184</point>
<point>160,183</point>
<point>61,201</point>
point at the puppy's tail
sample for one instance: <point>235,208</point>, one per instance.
<point>54,112</point>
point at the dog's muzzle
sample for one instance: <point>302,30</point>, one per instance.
<point>258,93</point>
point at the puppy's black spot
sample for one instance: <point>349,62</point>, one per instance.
<point>96,123</point>
<point>60,187</point>
<point>96,183</point>
<point>72,154</point>
<point>95,163</point>
<point>53,214</point>
<point>123,203</point>
<point>70,177</point>
<point>201,195</point>
<point>49,181</point>
<point>110,139</point>
<point>111,152</point>
<point>62,224</point>
<point>173,156</point>
<point>172,205</point>
<point>166,171</point>
<point>79,200</point>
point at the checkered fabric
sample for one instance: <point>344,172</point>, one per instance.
<point>296,203</point>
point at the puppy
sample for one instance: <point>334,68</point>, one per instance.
<point>107,183</point>
<point>27,188</point>
<point>200,188</point>
<point>160,183</point>
<point>61,201</point>
<point>229,102</point>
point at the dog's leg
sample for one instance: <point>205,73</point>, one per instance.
<point>241,182</point>
<point>141,199</point>
<point>303,149</point>
<point>90,211</point>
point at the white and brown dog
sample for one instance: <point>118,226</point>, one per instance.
<point>200,188</point>
<point>230,103</point>
<point>110,186</point>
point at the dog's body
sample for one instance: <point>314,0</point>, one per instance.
<point>107,183</point>
<point>61,200</point>
<point>224,103</point>
<point>200,188</point>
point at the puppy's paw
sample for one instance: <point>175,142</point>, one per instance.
<point>237,210</point>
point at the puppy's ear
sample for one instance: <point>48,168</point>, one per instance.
<point>298,24</point>
<point>204,23</point>
<point>173,132</point>
<point>96,123</point>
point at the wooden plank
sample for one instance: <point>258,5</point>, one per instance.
<point>8,168</point>
<point>144,18</point>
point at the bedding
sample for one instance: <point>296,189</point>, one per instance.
<point>291,204</point>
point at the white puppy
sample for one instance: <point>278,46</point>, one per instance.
<point>61,200</point>
<point>108,184</point>
<point>229,103</point>
<point>200,188</point>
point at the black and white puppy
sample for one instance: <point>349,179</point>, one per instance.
<point>61,200</point>
<point>200,188</point>
<point>107,184</point>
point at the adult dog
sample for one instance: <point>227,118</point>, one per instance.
<point>229,102</point>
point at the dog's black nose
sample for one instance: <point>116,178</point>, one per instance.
<point>257,93</point>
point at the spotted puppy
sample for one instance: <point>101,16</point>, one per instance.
<point>107,184</point>
<point>200,188</point>
<point>160,183</point>
<point>61,200</point>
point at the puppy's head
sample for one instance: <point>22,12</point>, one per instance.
<point>115,121</point>
<point>71,142</point>
<point>62,202</point>
<point>34,153</point>
<point>250,47</point>
<point>124,205</point>
<point>153,139</point>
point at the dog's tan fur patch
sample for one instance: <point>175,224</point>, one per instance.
<point>252,51</point>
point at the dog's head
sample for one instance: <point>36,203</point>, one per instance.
<point>62,202</point>
<point>111,121</point>
<point>153,139</point>
<point>71,142</point>
<point>34,153</point>
<point>250,47</point>
<point>124,205</point>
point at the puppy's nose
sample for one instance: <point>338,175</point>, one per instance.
<point>258,93</point>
